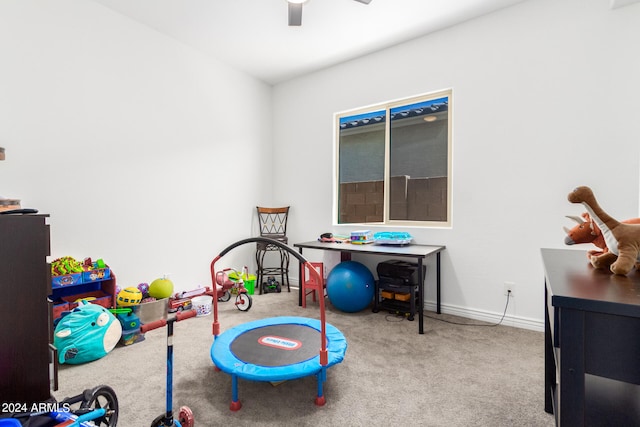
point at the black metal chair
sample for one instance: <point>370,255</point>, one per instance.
<point>273,225</point>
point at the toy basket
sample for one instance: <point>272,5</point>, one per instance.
<point>248,279</point>
<point>202,305</point>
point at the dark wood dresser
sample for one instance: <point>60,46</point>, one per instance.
<point>25,283</point>
<point>592,342</point>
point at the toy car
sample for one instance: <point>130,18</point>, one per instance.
<point>271,285</point>
<point>179,304</point>
<point>182,300</point>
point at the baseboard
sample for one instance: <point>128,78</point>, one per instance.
<point>486,316</point>
<point>470,313</point>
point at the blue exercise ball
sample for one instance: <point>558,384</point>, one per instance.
<point>350,286</point>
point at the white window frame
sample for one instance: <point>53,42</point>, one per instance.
<point>387,106</point>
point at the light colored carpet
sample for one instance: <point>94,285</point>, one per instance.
<point>450,376</point>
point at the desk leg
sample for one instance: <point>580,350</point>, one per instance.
<point>437,283</point>
<point>420,298</point>
<point>300,280</point>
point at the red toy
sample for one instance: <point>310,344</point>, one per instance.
<point>224,286</point>
<point>182,300</point>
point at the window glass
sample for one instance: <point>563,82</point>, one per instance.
<point>418,161</point>
<point>361,167</point>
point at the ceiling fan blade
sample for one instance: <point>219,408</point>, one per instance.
<point>295,14</point>
<point>364,1</point>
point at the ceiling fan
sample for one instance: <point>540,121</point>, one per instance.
<point>295,11</point>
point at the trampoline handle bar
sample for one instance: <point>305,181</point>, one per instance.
<point>264,240</point>
<point>182,315</point>
<point>303,261</point>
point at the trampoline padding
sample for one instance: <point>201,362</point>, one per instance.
<point>276,348</point>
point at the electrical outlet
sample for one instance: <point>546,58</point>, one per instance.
<point>509,288</point>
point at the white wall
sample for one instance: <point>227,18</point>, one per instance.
<point>152,156</point>
<point>144,152</point>
<point>545,98</point>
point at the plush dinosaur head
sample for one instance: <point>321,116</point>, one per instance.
<point>585,231</point>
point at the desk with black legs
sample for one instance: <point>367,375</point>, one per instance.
<point>419,252</point>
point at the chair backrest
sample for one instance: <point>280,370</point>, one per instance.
<point>273,221</point>
<point>307,277</point>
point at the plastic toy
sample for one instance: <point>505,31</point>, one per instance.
<point>202,305</point>
<point>271,285</point>
<point>128,297</point>
<point>286,347</point>
<point>97,407</point>
<point>179,304</point>
<point>392,238</point>
<point>182,300</point>
<point>144,288</point>
<point>161,288</point>
<point>226,285</point>
<point>201,290</point>
<point>350,286</point>
<point>362,237</point>
<point>86,333</point>
<point>65,265</point>
<point>130,323</point>
<point>185,415</point>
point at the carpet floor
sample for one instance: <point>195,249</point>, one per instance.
<point>452,375</point>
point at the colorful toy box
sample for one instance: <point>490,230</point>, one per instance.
<point>94,297</point>
<point>361,237</point>
<point>95,275</point>
<point>66,280</point>
<point>130,328</point>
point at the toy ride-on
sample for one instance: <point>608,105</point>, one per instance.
<point>95,407</point>
<point>233,282</point>
<point>271,285</point>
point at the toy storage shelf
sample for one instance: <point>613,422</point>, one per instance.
<point>396,298</point>
<point>101,291</point>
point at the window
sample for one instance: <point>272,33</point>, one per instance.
<point>394,163</point>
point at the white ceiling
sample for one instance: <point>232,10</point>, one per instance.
<point>253,35</point>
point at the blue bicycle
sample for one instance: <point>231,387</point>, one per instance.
<point>96,407</point>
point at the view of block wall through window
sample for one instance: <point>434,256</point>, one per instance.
<point>394,163</point>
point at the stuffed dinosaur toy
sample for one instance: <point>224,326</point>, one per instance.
<point>622,240</point>
<point>587,231</point>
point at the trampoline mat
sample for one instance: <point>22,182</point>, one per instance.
<point>277,345</point>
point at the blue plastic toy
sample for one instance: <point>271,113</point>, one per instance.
<point>350,286</point>
<point>96,407</point>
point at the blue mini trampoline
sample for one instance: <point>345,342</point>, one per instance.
<point>276,348</point>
